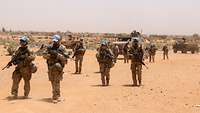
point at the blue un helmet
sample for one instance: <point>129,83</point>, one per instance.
<point>56,38</point>
<point>104,42</point>
<point>24,40</point>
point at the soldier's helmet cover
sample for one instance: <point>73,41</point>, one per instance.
<point>24,40</point>
<point>56,38</point>
<point>33,68</point>
<point>152,45</point>
<point>81,39</point>
<point>104,42</point>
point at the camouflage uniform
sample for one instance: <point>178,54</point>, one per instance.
<point>79,52</point>
<point>165,52</point>
<point>115,50</point>
<point>135,34</point>
<point>56,57</point>
<point>152,53</point>
<point>105,58</point>
<point>22,70</point>
<point>125,53</point>
<point>136,54</point>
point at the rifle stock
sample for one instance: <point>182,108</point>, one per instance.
<point>144,65</point>
<point>15,58</point>
<point>7,66</point>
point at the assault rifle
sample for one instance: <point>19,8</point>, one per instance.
<point>140,59</point>
<point>16,59</point>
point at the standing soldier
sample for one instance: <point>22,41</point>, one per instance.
<point>135,34</point>
<point>165,52</point>
<point>115,50</point>
<point>56,57</point>
<point>136,54</point>
<point>79,52</point>
<point>152,53</point>
<point>22,58</point>
<point>105,58</point>
<point>125,53</point>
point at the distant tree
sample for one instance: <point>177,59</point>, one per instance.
<point>195,35</point>
<point>3,29</point>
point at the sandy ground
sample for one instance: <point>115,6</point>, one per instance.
<point>171,86</point>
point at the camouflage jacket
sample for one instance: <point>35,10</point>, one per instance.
<point>105,56</point>
<point>22,57</point>
<point>136,54</point>
<point>165,49</point>
<point>79,49</point>
<point>152,50</point>
<point>125,49</point>
<point>56,55</point>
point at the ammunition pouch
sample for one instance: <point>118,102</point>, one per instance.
<point>33,68</point>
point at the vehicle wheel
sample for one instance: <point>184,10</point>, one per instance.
<point>184,51</point>
<point>192,51</point>
<point>175,51</point>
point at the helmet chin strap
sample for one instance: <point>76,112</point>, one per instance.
<point>56,44</point>
<point>24,46</point>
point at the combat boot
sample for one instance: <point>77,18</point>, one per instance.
<point>25,96</point>
<point>60,99</point>
<point>79,71</point>
<point>14,95</point>
<point>140,83</point>
<point>55,101</point>
<point>103,82</point>
<point>107,82</point>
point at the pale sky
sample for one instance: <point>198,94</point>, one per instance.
<point>153,16</point>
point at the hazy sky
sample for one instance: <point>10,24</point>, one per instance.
<point>153,16</point>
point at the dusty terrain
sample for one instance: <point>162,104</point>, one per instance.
<point>171,86</point>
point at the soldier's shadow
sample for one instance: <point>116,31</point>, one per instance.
<point>76,73</point>
<point>99,85</point>
<point>97,72</point>
<point>10,98</point>
<point>48,100</point>
<point>130,85</point>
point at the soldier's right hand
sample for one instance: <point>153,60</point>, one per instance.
<point>53,52</point>
<point>10,64</point>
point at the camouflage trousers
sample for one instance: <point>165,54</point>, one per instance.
<point>151,58</point>
<point>105,74</point>
<point>55,76</point>
<point>136,69</point>
<point>116,56</point>
<point>78,63</point>
<point>17,75</point>
<point>126,58</point>
<point>165,55</point>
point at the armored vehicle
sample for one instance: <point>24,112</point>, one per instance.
<point>185,47</point>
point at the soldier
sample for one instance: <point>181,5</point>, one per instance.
<point>136,54</point>
<point>125,53</point>
<point>79,52</point>
<point>56,57</point>
<point>152,53</point>
<point>165,52</point>
<point>105,58</point>
<point>135,34</point>
<point>115,50</point>
<point>22,58</point>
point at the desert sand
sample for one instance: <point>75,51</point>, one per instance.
<point>171,86</point>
